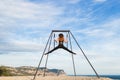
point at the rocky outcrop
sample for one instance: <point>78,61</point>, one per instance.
<point>29,71</point>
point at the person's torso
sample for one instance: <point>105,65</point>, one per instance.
<point>61,39</point>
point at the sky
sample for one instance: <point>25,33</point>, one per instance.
<point>25,26</point>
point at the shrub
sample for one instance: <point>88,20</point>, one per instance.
<point>4,71</point>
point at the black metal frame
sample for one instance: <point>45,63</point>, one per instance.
<point>48,45</point>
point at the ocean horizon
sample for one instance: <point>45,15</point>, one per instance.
<point>113,77</point>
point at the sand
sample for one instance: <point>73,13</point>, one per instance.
<point>52,78</point>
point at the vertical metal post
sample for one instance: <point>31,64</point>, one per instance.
<point>45,66</point>
<point>47,56</point>
<point>54,40</point>
<point>85,56</point>
<point>67,39</point>
<point>42,57</point>
<point>58,72</point>
<point>72,57</point>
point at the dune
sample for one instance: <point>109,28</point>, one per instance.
<point>52,78</point>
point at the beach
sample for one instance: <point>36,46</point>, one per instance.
<point>52,78</point>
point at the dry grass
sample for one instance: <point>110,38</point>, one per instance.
<point>51,78</point>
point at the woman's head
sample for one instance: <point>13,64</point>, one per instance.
<point>61,35</point>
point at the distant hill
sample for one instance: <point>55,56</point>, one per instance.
<point>28,71</point>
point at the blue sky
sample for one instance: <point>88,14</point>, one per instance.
<point>26,24</point>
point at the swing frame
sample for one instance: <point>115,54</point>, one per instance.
<point>48,45</point>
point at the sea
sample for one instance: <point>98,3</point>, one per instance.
<point>113,77</point>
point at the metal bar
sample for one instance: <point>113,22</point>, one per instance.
<point>67,39</point>
<point>45,66</point>
<point>72,57</point>
<point>47,56</point>
<point>85,56</point>
<point>74,65</point>
<point>58,73</point>
<point>54,40</point>
<point>60,30</point>
<point>42,57</point>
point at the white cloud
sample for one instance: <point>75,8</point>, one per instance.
<point>109,29</point>
<point>20,46</point>
<point>19,18</point>
<point>74,1</point>
<point>112,23</point>
<point>100,0</point>
<point>20,59</point>
<point>25,13</point>
<point>101,45</point>
<point>21,9</point>
<point>95,32</point>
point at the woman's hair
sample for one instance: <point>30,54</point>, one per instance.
<point>61,35</point>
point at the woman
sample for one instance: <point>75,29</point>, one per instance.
<point>60,40</point>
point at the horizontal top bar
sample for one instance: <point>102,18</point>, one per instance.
<point>60,30</point>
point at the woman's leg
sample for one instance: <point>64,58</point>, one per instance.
<point>52,50</point>
<point>68,50</point>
